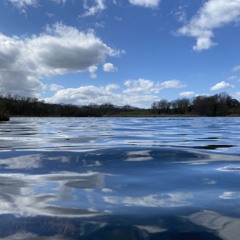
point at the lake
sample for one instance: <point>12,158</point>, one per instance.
<point>120,178</point>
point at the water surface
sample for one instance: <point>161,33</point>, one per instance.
<point>120,178</point>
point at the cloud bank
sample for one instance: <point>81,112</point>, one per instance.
<point>139,93</point>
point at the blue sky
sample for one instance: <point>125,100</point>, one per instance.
<point>120,51</point>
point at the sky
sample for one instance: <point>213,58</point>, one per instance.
<point>124,52</point>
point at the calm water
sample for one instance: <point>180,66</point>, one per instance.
<point>120,178</point>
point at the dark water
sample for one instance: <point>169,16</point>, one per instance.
<point>120,178</point>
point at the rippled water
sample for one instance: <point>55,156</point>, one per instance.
<point>120,178</point>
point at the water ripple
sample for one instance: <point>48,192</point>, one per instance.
<point>128,178</point>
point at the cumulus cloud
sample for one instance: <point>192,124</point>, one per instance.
<point>222,86</point>
<point>93,7</point>
<point>60,49</point>
<point>138,93</point>
<point>108,67</point>
<point>85,95</point>
<point>145,3</point>
<point>212,15</point>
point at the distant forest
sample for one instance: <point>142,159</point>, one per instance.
<point>217,105</point>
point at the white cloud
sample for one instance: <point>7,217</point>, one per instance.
<point>60,1</point>
<point>108,67</point>
<point>85,95</point>
<point>237,94</point>
<point>55,87</point>
<point>236,68</point>
<point>111,87</point>
<point>187,94</point>
<point>140,85</point>
<point>222,86</point>
<point>92,71</point>
<point>171,84</point>
<point>234,78</point>
<point>23,4</point>
<point>213,14</point>
<point>180,14</point>
<point>61,49</point>
<point>93,7</point>
<point>149,86</point>
<point>145,3</point>
<point>138,93</point>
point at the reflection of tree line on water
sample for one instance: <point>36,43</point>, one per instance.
<point>217,105</point>
<point>4,116</point>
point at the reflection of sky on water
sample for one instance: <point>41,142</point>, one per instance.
<point>227,228</point>
<point>48,194</point>
<point>161,200</point>
<point>82,134</point>
<point>26,235</point>
<point>112,179</point>
<point>230,195</point>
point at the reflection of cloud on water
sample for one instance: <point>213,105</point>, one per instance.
<point>49,194</point>
<point>25,235</point>
<point>29,161</point>
<point>53,228</point>
<point>148,230</point>
<point>155,200</point>
<point>227,228</point>
<point>151,229</point>
<point>44,161</point>
<point>200,158</point>
<point>230,195</point>
<point>230,168</point>
<point>143,155</point>
<point>22,162</point>
<point>210,181</point>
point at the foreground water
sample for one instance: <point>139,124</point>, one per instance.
<point>120,178</point>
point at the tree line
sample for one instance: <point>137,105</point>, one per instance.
<point>15,105</point>
<point>217,105</point>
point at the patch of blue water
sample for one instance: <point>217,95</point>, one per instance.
<point>120,179</point>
